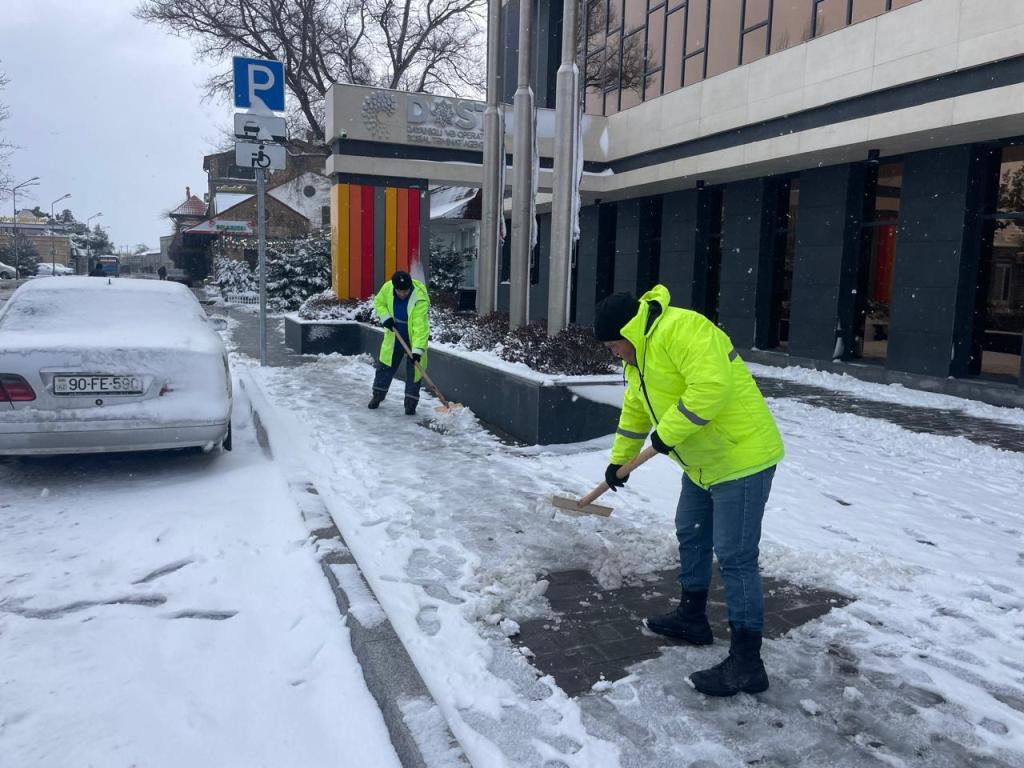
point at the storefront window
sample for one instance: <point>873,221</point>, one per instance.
<point>1002,272</point>
<point>787,204</point>
<point>878,257</point>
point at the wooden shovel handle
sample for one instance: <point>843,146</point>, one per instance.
<point>645,455</point>
<point>423,373</point>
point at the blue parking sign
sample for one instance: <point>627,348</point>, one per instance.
<point>259,84</point>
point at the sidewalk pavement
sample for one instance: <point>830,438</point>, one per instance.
<point>485,588</point>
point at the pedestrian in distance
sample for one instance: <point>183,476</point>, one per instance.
<point>97,270</point>
<point>689,389</point>
<point>401,305</point>
<point>161,273</point>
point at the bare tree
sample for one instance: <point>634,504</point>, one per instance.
<point>411,44</point>
<point>5,146</point>
<point>608,70</point>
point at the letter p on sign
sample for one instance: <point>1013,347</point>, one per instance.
<point>259,84</point>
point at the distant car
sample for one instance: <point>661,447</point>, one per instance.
<point>46,268</point>
<point>7,272</point>
<point>91,366</point>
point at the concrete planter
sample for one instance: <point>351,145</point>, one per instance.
<point>530,410</point>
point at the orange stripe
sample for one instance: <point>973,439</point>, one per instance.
<point>355,246</point>
<point>403,229</point>
<point>390,209</point>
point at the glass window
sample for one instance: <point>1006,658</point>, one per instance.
<point>878,257</point>
<point>674,50</point>
<point>673,4</point>
<point>693,72</point>
<point>724,39</point>
<point>655,40</point>
<point>696,25</point>
<point>755,45</point>
<point>1002,273</point>
<point>611,102</point>
<point>829,16</point>
<point>867,9</point>
<point>630,98</point>
<point>612,61</point>
<point>757,13</point>
<point>613,16</point>
<point>901,3</point>
<point>595,101</point>
<point>791,23</point>
<point>636,11</point>
<point>652,88</point>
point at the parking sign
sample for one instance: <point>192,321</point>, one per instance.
<point>259,84</point>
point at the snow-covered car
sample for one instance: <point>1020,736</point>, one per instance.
<point>7,272</point>
<point>45,269</point>
<point>89,366</point>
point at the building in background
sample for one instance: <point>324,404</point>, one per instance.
<point>455,226</point>
<point>836,183</point>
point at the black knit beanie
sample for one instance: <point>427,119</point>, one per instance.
<point>612,314</point>
<point>401,280</point>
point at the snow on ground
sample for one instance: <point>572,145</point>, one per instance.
<point>455,534</point>
<point>168,610</point>
<point>892,393</point>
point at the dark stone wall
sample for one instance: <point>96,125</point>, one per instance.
<point>585,284</point>
<point>679,245</point>
<point>747,262</point>
<point>538,309</point>
<point>825,265</point>
<point>932,235</point>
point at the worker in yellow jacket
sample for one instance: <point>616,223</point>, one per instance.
<point>690,391</point>
<point>401,305</point>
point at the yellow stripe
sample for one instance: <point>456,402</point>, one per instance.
<point>341,244</point>
<point>390,232</point>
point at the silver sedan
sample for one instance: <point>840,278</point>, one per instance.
<point>91,365</point>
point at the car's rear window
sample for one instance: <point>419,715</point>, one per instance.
<point>90,310</point>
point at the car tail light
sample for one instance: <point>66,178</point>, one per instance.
<point>14,389</point>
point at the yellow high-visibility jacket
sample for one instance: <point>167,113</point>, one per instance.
<point>691,385</point>
<point>419,323</point>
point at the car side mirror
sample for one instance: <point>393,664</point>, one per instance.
<point>219,323</point>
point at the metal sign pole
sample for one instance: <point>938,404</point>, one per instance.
<point>261,235</point>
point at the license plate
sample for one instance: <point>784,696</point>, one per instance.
<point>87,384</point>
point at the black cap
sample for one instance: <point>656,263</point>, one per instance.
<point>402,281</point>
<point>612,314</point>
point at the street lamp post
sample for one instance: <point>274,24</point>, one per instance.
<point>90,218</point>
<point>14,221</point>
<point>53,251</point>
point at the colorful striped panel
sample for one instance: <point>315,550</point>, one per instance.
<point>414,230</point>
<point>341,278</point>
<point>355,245</point>
<point>390,231</point>
<point>366,256</point>
<point>403,229</point>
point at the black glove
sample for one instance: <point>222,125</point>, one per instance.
<point>416,356</point>
<point>614,481</point>
<point>658,444</point>
<point>389,324</point>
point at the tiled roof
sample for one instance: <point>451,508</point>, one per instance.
<point>191,207</point>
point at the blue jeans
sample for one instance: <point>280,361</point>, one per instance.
<point>727,521</point>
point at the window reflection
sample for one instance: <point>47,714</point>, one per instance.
<point>1002,272</point>
<point>681,39</point>
<point>878,257</point>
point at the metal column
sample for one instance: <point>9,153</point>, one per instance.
<point>522,179</point>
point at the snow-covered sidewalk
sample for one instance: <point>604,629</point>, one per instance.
<point>455,535</point>
<point>169,610</point>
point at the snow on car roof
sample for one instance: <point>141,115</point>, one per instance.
<point>92,310</point>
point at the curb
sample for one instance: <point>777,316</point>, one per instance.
<point>419,733</point>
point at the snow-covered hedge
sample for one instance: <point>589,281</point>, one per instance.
<point>296,269</point>
<point>232,276</point>
<point>573,352</point>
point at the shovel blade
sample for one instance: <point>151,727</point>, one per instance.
<point>572,507</point>
<point>452,408</point>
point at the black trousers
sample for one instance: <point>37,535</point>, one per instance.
<point>386,373</point>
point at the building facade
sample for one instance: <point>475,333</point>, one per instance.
<point>836,183</point>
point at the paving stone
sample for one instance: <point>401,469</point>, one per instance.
<point>580,644</point>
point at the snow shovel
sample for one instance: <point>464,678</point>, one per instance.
<point>586,506</point>
<point>446,407</point>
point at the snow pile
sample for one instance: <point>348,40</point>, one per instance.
<point>232,276</point>
<point>327,306</point>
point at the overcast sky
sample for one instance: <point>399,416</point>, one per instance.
<point>106,108</point>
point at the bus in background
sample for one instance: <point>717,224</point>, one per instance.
<point>111,265</point>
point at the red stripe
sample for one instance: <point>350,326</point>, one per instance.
<point>367,255</point>
<point>414,228</point>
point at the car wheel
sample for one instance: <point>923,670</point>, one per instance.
<point>226,445</point>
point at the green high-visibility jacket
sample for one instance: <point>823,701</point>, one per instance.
<point>691,385</point>
<point>419,323</point>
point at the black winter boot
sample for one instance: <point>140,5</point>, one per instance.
<point>410,406</point>
<point>688,622</point>
<point>742,669</point>
<point>375,401</point>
